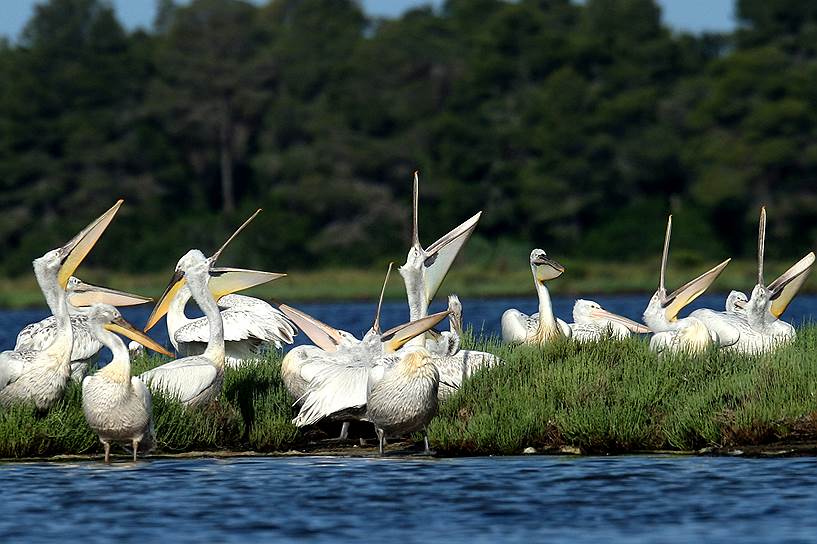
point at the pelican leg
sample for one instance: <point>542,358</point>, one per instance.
<point>344,431</point>
<point>135,449</point>
<point>381,440</point>
<point>427,450</point>
<point>107,451</point>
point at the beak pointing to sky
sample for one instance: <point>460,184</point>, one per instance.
<point>120,326</point>
<point>76,250</point>
<point>85,294</point>
<point>633,326</point>
<point>176,283</point>
<point>322,335</point>
<point>394,339</point>
<point>678,299</point>
<point>784,288</point>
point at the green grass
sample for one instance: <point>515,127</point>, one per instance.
<point>614,396</point>
<point>467,279</point>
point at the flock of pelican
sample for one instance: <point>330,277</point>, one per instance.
<point>393,379</point>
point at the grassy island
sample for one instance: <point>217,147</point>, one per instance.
<point>609,397</point>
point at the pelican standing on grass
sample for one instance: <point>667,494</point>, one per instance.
<point>85,352</point>
<point>423,273</point>
<point>251,326</point>
<point>592,323</point>
<point>117,406</point>
<point>755,327</point>
<point>689,335</point>
<point>541,327</point>
<point>40,376</point>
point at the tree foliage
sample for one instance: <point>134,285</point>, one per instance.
<point>575,126</point>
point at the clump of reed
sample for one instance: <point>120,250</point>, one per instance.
<point>613,396</point>
<point>616,396</point>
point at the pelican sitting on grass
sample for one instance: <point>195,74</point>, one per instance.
<point>756,326</point>
<point>541,327</point>
<point>689,335</point>
<point>196,380</point>
<point>39,376</point>
<point>592,323</point>
<point>117,406</point>
<point>85,352</point>
<point>423,273</point>
<point>251,326</point>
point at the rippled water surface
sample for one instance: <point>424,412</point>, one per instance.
<point>511,499</point>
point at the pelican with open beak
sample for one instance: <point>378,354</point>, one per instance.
<point>85,353</point>
<point>117,405</point>
<point>251,326</point>
<point>542,326</point>
<point>592,323</point>
<point>661,315</point>
<point>39,376</point>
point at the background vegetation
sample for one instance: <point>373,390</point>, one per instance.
<point>576,127</point>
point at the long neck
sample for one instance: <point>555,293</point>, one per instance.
<point>175,314</point>
<point>415,291</point>
<point>60,349</point>
<point>547,321</point>
<point>118,369</point>
<point>205,300</point>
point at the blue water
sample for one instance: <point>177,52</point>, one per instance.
<point>482,314</point>
<point>514,499</point>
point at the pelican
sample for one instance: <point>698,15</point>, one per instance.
<point>339,388</point>
<point>117,406</point>
<point>541,327</point>
<point>402,394</point>
<point>447,342</point>
<point>423,273</point>
<point>36,336</point>
<point>196,380</point>
<point>40,376</point>
<point>592,323</point>
<point>251,326</point>
<point>736,303</point>
<point>661,315</point>
<point>755,325</point>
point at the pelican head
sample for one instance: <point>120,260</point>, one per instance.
<point>589,311</point>
<point>663,308</point>
<point>108,317</point>
<point>736,302</point>
<point>62,262</point>
<point>191,264</point>
<point>543,267</point>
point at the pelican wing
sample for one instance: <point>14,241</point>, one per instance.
<point>245,318</point>
<point>13,364</point>
<point>333,389</point>
<point>38,336</point>
<point>184,379</point>
<point>443,252</point>
<point>726,326</point>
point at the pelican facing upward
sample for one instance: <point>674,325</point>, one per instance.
<point>85,352</point>
<point>543,326</point>
<point>661,315</point>
<point>117,406</point>
<point>251,326</point>
<point>40,376</point>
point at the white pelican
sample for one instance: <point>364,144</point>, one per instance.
<point>736,303</point>
<point>542,326</point>
<point>40,376</point>
<point>195,380</point>
<point>402,394</point>
<point>661,315</point>
<point>36,336</point>
<point>251,326</point>
<point>340,384</point>
<point>423,273</point>
<point>755,327</point>
<point>117,406</point>
<point>447,342</point>
<point>591,323</point>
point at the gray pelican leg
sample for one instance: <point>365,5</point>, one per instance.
<point>381,440</point>
<point>425,441</point>
<point>344,431</point>
<point>107,451</point>
<point>135,449</point>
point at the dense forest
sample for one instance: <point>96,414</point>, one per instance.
<point>574,126</point>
